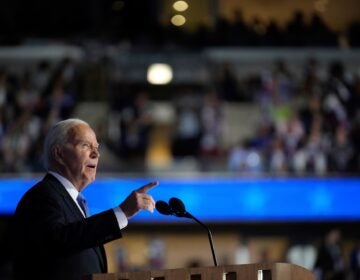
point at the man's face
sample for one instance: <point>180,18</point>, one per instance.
<point>80,156</point>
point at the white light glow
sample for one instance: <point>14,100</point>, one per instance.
<point>159,74</point>
<point>180,6</point>
<point>178,20</point>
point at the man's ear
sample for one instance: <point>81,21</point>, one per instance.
<point>58,154</point>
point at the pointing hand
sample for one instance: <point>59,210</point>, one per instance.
<point>138,200</point>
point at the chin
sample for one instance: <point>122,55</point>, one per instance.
<point>91,179</point>
<point>90,174</point>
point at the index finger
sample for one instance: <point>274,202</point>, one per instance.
<point>147,187</point>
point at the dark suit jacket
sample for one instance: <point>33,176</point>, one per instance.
<point>330,263</point>
<point>52,239</point>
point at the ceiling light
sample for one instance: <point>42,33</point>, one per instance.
<point>178,20</point>
<point>159,74</point>
<point>180,6</point>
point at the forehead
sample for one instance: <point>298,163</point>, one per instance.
<point>81,132</point>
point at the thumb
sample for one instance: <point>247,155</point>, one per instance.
<point>147,187</point>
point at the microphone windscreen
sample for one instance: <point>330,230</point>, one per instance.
<point>163,207</point>
<point>177,205</point>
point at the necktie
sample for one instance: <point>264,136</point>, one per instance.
<point>82,202</point>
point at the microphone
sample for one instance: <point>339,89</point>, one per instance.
<point>177,208</point>
<point>163,208</point>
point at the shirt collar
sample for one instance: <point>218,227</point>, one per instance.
<point>70,188</point>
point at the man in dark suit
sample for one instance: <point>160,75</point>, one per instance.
<point>330,263</point>
<point>54,238</point>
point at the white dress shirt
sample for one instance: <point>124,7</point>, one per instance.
<point>73,192</point>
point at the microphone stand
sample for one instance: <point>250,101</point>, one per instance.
<point>188,215</point>
<point>177,208</point>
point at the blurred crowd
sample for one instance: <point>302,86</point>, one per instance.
<point>309,122</point>
<point>327,258</point>
<point>298,31</point>
<point>30,102</point>
<point>144,29</point>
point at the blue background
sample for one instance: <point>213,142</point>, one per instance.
<point>221,199</point>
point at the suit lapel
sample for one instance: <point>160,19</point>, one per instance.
<point>74,209</point>
<point>67,199</point>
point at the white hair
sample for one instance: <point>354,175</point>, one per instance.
<point>57,135</point>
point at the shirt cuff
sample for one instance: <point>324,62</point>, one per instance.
<point>121,218</point>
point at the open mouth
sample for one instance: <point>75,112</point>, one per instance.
<point>93,166</point>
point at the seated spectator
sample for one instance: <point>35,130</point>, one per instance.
<point>311,157</point>
<point>245,158</point>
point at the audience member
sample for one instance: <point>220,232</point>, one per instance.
<point>187,131</point>
<point>296,30</point>
<point>330,263</point>
<point>135,126</point>
<point>341,152</point>
<point>354,260</point>
<point>319,34</point>
<point>337,97</point>
<point>211,129</point>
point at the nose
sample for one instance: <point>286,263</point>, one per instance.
<point>95,153</point>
